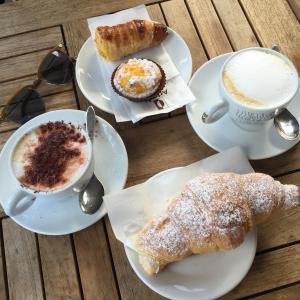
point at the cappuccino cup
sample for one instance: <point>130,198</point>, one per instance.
<point>51,161</point>
<point>254,85</point>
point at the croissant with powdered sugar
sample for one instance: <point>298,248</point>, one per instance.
<point>115,42</point>
<point>213,212</point>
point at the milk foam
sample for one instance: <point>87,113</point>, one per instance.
<point>258,78</point>
<point>26,146</point>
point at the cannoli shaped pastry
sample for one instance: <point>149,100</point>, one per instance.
<point>115,42</point>
<point>213,212</point>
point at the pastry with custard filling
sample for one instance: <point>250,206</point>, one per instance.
<point>138,80</point>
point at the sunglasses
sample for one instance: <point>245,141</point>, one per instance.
<point>56,68</point>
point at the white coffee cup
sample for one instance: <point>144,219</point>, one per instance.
<point>23,197</point>
<point>243,114</point>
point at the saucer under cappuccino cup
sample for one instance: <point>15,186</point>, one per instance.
<point>254,83</point>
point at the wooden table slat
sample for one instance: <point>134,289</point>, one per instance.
<point>24,279</point>
<point>235,23</point>
<point>155,13</point>
<point>131,287</point>
<point>284,228</point>
<point>209,26</point>
<point>22,16</point>
<point>268,271</point>
<point>2,273</point>
<point>179,19</point>
<point>20,66</point>
<point>94,262</point>
<point>58,266</point>
<point>30,42</point>
<point>275,23</point>
<point>10,88</point>
<point>52,102</point>
<point>289,293</point>
<point>295,5</point>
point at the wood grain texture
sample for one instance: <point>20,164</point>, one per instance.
<point>156,13</point>
<point>179,19</point>
<point>166,144</point>
<point>284,228</point>
<point>289,293</point>
<point>58,266</point>
<point>30,42</point>
<point>172,143</point>
<point>24,280</point>
<point>295,5</point>
<point>20,66</point>
<point>280,164</point>
<point>2,274</point>
<point>53,102</point>
<point>270,270</point>
<point>22,16</point>
<point>235,23</point>
<point>275,23</point>
<point>131,287</point>
<point>10,88</point>
<point>94,262</point>
<point>4,137</point>
<point>209,26</point>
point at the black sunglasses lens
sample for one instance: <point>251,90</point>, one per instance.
<point>24,106</point>
<point>56,68</point>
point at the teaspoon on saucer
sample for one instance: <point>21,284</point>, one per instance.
<point>285,123</point>
<point>91,196</point>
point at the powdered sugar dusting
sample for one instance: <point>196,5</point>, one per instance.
<point>292,197</point>
<point>213,211</point>
<point>137,78</point>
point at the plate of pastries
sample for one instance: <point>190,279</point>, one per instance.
<point>204,243</point>
<point>113,44</point>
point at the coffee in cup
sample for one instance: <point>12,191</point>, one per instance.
<point>258,78</point>
<point>53,160</point>
<point>254,84</point>
<point>50,157</point>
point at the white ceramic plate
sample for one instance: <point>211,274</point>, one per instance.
<point>90,79</point>
<point>200,277</point>
<point>224,134</point>
<point>63,216</point>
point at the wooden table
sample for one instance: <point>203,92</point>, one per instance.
<point>91,264</point>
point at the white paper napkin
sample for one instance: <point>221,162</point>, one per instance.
<point>129,210</point>
<point>176,92</point>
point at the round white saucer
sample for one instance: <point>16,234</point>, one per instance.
<point>206,276</point>
<point>64,216</point>
<point>225,134</point>
<point>89,76</point>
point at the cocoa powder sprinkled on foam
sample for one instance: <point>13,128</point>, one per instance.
<point>48,160</point>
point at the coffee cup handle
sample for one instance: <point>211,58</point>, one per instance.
<point>215,113</point>
<point>13,208</point>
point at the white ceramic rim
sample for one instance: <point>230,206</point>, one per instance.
<point>168,296</point>
<point>105,108</point>
<point>56,191</point>
<point>190,114</point>
<point>258,108</point>
<point>122,145</point>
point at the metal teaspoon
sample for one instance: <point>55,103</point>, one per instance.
<point>286,124</point>
<point>90,198</point>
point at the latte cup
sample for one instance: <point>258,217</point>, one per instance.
<point>250,115</point>
<point>24,196</point>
